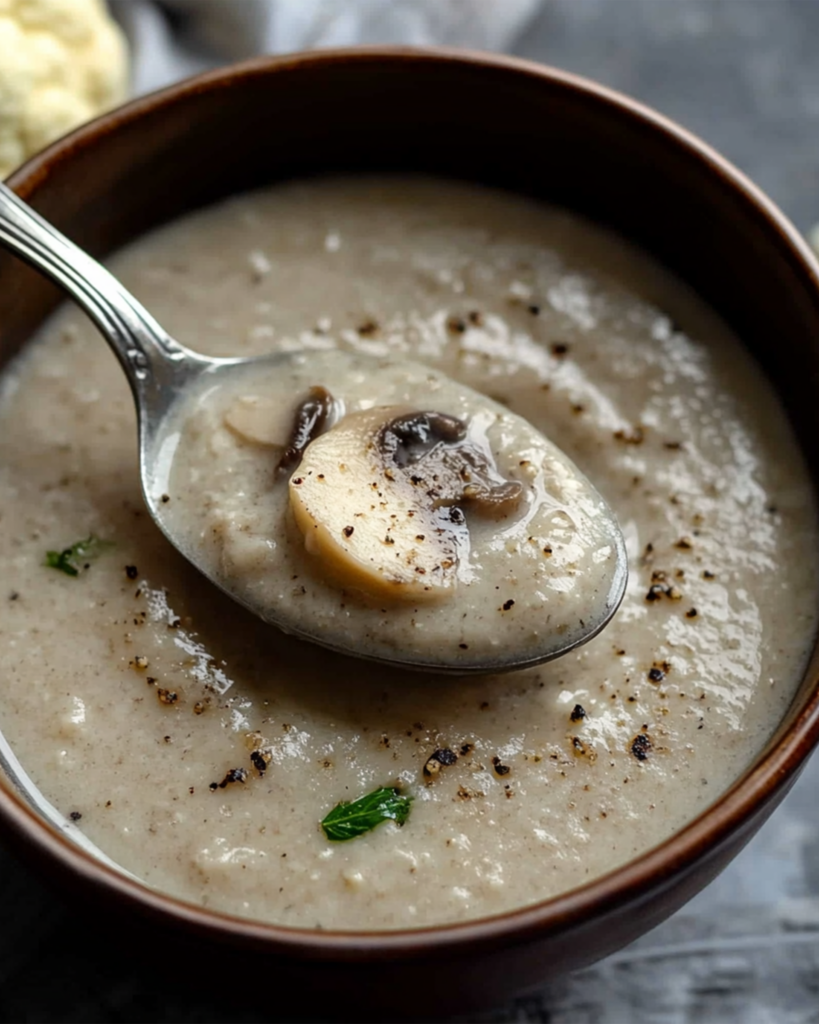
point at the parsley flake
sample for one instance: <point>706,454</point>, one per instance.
<point>71,560</point>
<point>350,819</point>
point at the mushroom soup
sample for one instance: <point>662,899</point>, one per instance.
<point>222,761</point>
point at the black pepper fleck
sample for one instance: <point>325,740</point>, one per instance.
<point>446,756</point>
<point>578,712</point>
<point>131,572</point>
<point>640,746</point>
<point>442,758</point>
<point>260,759</point>
<point>234,775</point>
<point>634,436</point>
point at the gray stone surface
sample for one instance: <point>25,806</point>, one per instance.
<point>744,74</point>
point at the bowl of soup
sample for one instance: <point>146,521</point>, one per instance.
<point>574,261</point>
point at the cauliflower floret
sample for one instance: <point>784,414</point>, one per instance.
<point>61,63</point>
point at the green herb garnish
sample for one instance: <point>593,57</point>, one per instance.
<point>71,560</point>
<point>348,820</point>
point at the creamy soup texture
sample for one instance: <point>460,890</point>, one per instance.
<point>200,749</point>
<point>349,545</point>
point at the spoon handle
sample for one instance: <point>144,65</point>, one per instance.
<point>151,359</point>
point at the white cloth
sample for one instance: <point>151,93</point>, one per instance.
<point>174,38</point>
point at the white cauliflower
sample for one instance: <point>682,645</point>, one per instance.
<point>61,63</point>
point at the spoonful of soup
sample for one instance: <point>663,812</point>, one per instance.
<point>373,506</point>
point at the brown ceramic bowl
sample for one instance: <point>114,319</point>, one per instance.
<point>501,122</point>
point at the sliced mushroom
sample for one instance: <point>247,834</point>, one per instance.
<point>447,465</point>
<point>313,415</point>
<point>260,420</point>
<point>377,500</point>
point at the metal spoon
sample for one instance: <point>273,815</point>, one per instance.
<point>159,370</point>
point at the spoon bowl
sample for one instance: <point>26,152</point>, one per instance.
<point>162,372</point>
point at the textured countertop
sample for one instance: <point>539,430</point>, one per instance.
<point>743,74</point>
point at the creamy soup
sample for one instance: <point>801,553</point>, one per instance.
<point>458,536</point>
<point>201,750</point>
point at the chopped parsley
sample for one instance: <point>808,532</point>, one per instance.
<point>71,560</point>
<point>348,820</point>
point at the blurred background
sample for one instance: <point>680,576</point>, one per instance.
<point>744,75</point>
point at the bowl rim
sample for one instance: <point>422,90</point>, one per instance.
<point>774,769</point>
